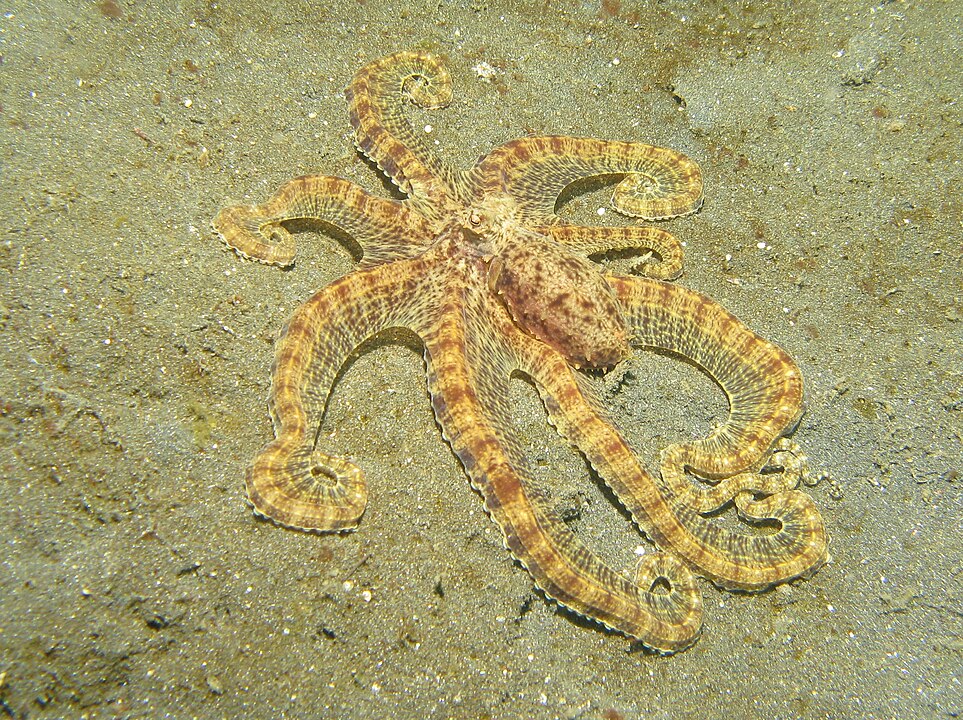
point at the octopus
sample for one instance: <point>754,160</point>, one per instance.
<point>479,265</point>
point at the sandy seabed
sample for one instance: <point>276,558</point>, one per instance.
<point>137,351</point>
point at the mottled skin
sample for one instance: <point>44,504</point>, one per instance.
<point>478,264</point>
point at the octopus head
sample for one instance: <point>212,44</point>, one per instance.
<point>558,297</point>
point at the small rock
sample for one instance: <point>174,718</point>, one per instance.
<point>214,684</point>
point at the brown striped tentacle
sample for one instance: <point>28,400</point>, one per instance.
<point>729,558</point>
<point>382,132</point>
<point>762,383</point>
<point>658,183</point>
<point>291,481</point>
<point>385,229</point>
<point>469,368</point>
<point>764,389</point>
<point>782,471</point>
<point>598,240</point>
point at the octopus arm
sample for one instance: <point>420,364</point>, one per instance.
<point>764,401</point>
<point>290,481</point>
<point>763,385</point>
<point>655,241</point>
<point>376,99</point>
<point>655,183</point>
<point>386,230</point>
<point>469,367</point>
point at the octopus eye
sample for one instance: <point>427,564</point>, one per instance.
<point>475,218</point>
